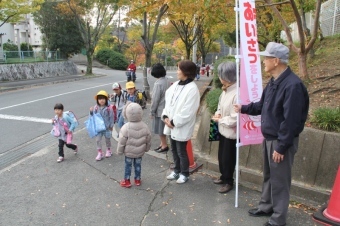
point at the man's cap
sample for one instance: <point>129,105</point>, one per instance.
<point>116,86</point>
<point>276,50</point>
<point>130,85</point>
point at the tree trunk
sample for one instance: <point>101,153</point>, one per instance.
<point>303,66</point>
<point>187,54</point>
<point>89,55</point>
<point>148,56</point>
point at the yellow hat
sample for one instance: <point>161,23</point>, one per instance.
<point>102,93</point>
<point>130,85</point>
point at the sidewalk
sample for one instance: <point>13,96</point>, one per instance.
<point>81,191</point>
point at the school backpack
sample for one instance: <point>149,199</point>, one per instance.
<point>73,118</point>
<point>141,98</point>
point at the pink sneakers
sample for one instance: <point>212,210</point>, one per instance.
<point>108,153</point>
<point>60,159</point>
<point>100,155</point>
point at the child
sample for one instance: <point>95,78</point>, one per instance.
<point>133,95</point>
<point>118,99</point>
<point>66,126</point>
<point>134,141</point>
<point>106,112</point>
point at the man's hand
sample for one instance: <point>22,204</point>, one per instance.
<point>277,157</point>
<point>237,108</point>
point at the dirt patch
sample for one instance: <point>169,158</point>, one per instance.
<point>324,74</point>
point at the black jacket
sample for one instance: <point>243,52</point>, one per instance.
<point>283,107</point>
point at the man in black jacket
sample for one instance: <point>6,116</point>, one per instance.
<point>283,108</point>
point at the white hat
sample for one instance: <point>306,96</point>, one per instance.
<point>276,50</point>
<point>116,86</point>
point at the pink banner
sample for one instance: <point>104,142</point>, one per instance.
<point>250,73</point>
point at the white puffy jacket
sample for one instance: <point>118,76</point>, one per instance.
<point>181,105</point>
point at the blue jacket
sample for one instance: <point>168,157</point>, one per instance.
<point>283,107</point>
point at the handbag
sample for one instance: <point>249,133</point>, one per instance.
<point>98,122</point>
<point>214,134</point>
<point>69,137</point>
<point>55,130</point>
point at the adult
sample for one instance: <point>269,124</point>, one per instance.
<point>208,69</point>
<point>132,67</point>
<point>283,107</point>
<point>158,104</point>
<point>179,115</point>
<point>227,121</point>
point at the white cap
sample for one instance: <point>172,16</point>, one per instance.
<point>116,86</point>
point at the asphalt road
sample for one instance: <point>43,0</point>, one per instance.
<point>36,190</point>
<point>25,113</point>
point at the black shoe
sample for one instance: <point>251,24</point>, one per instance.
<point>258,213</point>
<point>158,148</point>
<point>269,224</point>
<point>161,150</point>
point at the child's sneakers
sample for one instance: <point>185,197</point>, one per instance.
<point>182,179</point>
<point>125,183</point>
<point>173,176</point>
<point>60,159</point>
<point>76,150</point>
<point>137,182</point>
<point>108,153</point>
<point>100,155</point>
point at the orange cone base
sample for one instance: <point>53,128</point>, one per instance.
<point>194,167</point>
<point>321,219</point>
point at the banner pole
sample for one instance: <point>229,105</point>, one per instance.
<point>237,58</point>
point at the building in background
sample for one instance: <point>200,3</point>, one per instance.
<point>24,31</point>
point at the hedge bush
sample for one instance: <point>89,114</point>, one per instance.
<point>212,100</point>
<point>327,119</point>
<point>112,59</point>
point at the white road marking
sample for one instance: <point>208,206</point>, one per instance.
<point>25,118</point>
<point>75,91</point>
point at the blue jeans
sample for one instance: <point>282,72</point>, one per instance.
<point>137,164</point>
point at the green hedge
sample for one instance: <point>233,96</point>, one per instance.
<point>112,59</point>
<point>327,119</point>
<point>212,100</point>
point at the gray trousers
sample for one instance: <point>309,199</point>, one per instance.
<point>276,182</point>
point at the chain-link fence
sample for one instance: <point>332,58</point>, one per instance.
<point>330,17</point>
<point>9,57</point>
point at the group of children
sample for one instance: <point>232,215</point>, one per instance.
<point>124,107</point>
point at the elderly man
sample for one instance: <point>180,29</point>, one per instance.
<point>283,107</point>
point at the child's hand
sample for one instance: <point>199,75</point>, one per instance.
<point>91,108</point>
<point>53,121</point>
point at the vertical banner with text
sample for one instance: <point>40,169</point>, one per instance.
<point>250,73</point>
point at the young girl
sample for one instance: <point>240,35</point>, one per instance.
<point>134,141</point>
<point>106,112</point>
<point>66,126</point>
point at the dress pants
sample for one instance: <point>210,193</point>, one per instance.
<point>227,159</point>
<point>277,179</point>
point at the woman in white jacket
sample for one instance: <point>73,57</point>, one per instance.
<point>179,115</point>
<point>227,119</point>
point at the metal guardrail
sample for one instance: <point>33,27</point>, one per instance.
<point>10,57</point>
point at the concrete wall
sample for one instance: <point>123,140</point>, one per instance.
<point>315,165</point>
<point>12,72</point>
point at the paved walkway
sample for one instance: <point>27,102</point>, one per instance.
<point>81,191</point>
